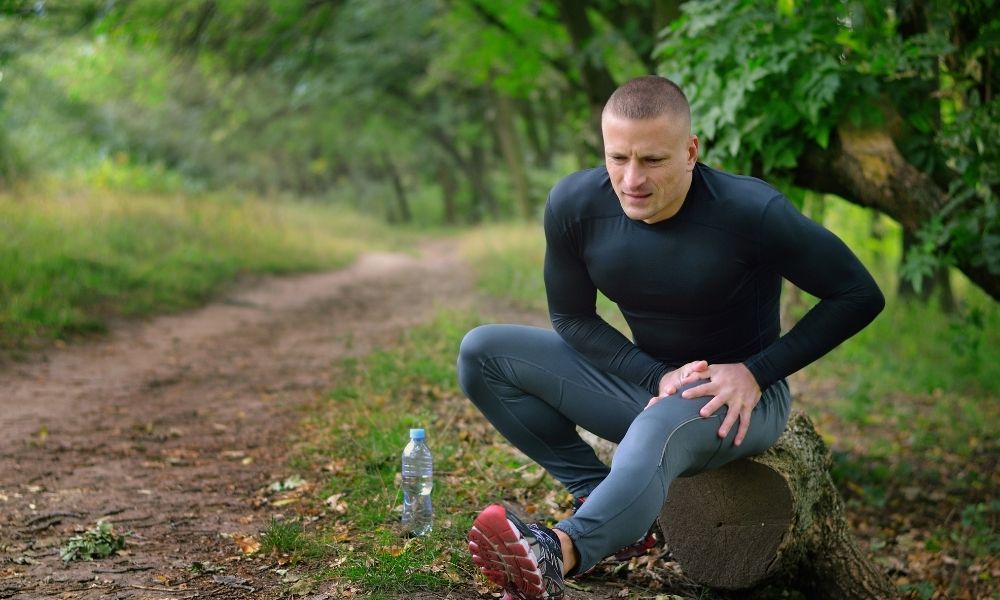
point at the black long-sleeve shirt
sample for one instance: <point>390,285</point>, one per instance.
<point>703,284</point>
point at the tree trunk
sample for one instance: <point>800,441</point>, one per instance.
<point>484,199</point>
<point>449,190</point>
<point>597,80</point>
<point>472,168</point>
<point>541,149</point>
<point>510,148</point>
<point>865,167</point>
<point>773,518</point>
<point>402,202</point>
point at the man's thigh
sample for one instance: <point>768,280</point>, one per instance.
<point>520,363</point>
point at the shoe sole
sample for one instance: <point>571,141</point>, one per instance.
<point>504,556</point>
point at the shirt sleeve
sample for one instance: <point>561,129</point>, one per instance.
<point>572,298</point>
<point>818,262</point>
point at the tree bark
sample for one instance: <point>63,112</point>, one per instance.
<point>542,149</point>
<point>472,167</point>
<point>864,166</point>
<point>449,190</point>
<point>513,155</point>
<point>402,202</point>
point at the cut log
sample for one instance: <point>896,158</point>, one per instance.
<point>771,518</point>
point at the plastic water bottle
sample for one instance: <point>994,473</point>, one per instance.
<point>418,481</point>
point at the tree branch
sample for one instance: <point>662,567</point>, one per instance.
<point>865,167</point>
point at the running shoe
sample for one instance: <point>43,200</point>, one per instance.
<point>524,559</point>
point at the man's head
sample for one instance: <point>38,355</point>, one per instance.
<point>648,147</point>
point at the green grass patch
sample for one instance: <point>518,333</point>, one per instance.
<point>70,261</point>
<point>354,444</point>
<point>508,263</point>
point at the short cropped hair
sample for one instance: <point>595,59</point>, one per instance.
<point>647,97</point>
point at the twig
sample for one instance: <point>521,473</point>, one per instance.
<point>51,515</point>
<point>144,518</point>
<point>125,570</point>
<point>153,589</point>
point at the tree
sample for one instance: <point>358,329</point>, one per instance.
<point>822,94</point>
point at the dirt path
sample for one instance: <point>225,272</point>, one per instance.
<point>171,428</point>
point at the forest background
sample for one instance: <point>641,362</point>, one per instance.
<point>152,151</point>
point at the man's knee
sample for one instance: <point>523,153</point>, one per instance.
<point>478,346</point>
<point>475,343</point>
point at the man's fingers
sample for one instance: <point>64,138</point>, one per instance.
<point>654,400</point>
<point>744,427</point>
<point>697,392</point>
<point>697,365</point>
<point>713,405</point>
<point>728,422</point>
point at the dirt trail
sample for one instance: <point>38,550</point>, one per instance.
<point>171,427</point>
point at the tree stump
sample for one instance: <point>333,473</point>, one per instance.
<point>773,517</point>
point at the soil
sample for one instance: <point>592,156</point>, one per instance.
<point>170,428</point>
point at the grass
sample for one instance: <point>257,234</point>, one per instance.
<point>70,261</point>
<point>356,441</point>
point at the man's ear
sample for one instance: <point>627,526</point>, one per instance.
<point>692,157</point>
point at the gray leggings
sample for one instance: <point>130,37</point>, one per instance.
<point>535,390</point>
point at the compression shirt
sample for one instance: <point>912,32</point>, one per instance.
<point>703,284</point>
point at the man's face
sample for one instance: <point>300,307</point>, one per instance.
<point>650,162</point>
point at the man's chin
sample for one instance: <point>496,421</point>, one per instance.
<point>636,214</point>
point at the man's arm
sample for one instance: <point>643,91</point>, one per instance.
<point>819,263</point>
<point>572,298</point>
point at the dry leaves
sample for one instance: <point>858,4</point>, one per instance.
<point>335,504</point>
<point>247,543</point>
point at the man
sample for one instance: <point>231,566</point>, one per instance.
<point>694,258</point>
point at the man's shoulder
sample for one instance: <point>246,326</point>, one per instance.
<point>583,194</point>
<point>728,187</point>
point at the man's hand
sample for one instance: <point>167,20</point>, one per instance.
<point>730,385</point>
<point>672,381</point>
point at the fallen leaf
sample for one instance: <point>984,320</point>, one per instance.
<point>301,587</point>
<point>247,543</point>
<point>335,504</point>
<point>289,483</point>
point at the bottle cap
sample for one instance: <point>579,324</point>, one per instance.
<point>417,434</point>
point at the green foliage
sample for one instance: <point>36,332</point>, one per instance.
<point>97,542</point>
<point>763,81</point>
<point>767,80</point>
<point>68,263</point>
<point>980,528</point>
<point>968,229</point>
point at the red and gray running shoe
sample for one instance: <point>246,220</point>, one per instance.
<point>525,560</point>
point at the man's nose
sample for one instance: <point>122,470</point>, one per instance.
<point>635,176</point>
